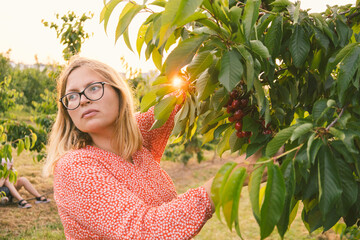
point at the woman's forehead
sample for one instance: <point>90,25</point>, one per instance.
<point>81,77</point>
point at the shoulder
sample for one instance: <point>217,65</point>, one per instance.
<point>74,159</point>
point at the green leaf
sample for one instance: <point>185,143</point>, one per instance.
<point>219,130</point>
<point>217,187</point>
<point>235,142</point>
<point>313,149</point>
<point>334,60</point>
<point>347,69</point>
<point>254,189</point>
<point>33,139</point>
<point>249,62</point>
<point>231,196</point>
<point>348,183</point>
<point>205,85</point>
<point>126,39</point>
<point>27,142</point>
<point>170,12</point>
<point>296,13</point>
<point>194,17</point>
<point>20,146</point>
<point>160,3</point>
<point>164,108</point>
<point>273,202</point>
<point>288,171</point>
<point>224,142</point>
<point>301,130</point>
<point>185,10</point>
<point>199,64</point>
<point>343,31</point>
<point>250,15</point>
<point>273,37</point>
<point>126,17</point>
<point>281,3</point>
<point>329,181</point>
<point>337,133</point>
<point>220,180</point>
<point>320,109</point>
<point>280,139</point>
<point>107,10</point>
<point>141,37</point>
<point>167,19</point>
<point>299,46</point>
<point>183,54</point>
<point>157,58</point>
<point>321,38</point>
<point>260,94</point>
<point>160,80</point>
<point>231,69</point>
<point>260,49</point>
<point>148,100</point>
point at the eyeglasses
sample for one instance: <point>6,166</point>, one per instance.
<point>93,92</point>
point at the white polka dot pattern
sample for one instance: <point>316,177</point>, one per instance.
<point>101,196</point>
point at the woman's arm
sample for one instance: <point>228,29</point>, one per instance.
<point>89,195</point>
<point>155,140</point>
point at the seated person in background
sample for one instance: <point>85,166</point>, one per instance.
<point>14,188</point>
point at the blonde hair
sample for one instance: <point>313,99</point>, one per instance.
<point>65,136</point>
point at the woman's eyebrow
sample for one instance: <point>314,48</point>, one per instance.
<point>77,90</point>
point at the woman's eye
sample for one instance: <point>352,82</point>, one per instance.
<point>94,88</point>
<point>72,97</point>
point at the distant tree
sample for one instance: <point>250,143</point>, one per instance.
<point>32,81</point>
<point>71,32</point>
<point>7,102</point>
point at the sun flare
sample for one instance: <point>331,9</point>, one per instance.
<point>177,82</point>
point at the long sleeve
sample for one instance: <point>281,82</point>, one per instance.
<point>92,202</point>
<point>155,140</point>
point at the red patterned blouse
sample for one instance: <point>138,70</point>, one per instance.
<point>101,196</point>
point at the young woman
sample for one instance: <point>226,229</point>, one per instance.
<point>14,188</point>
<point>108,183</point>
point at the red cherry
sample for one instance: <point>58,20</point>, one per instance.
<point>235,104</point>
<point>243,134</point>
<point>234,94</point>
<point>248,134</point>
<point>239,114</point>
<point>244,102</point>
<point>229,109</point>
<point>238,134</point>
<point>238,126</point>
<point>266,132</point>
<point>231,119</point>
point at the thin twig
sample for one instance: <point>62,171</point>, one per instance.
<point>335,121</point>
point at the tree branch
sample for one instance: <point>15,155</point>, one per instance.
<point>335,121</point>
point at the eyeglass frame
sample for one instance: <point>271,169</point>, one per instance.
<point>83,93</point>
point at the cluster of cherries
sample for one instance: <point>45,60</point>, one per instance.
<point>266,129</point>
<point>237,107</point>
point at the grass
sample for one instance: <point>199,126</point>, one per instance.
<point>42,220</point>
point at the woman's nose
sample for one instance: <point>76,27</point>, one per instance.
<point>83,99</point>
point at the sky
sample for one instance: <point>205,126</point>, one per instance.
<point>21,31</point>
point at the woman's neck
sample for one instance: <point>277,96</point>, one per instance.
<point>105,144</point>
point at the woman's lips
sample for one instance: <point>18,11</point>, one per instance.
<point>89,113</point>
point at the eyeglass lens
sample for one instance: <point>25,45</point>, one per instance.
<point>92,92</point>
